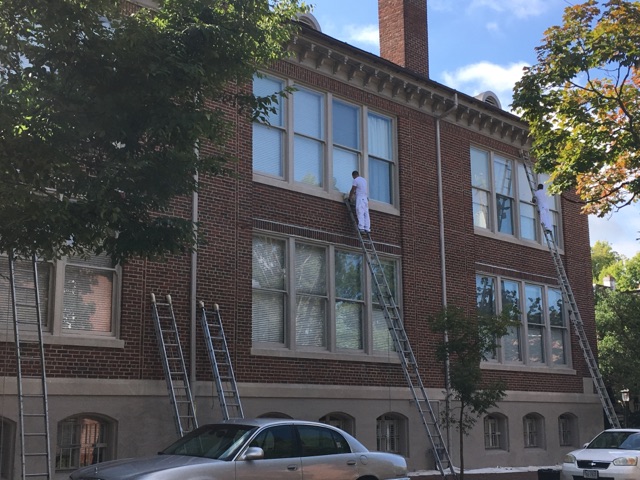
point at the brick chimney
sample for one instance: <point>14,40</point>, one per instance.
<point>403,33</point>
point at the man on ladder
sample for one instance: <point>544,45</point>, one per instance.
<point>542,200</point>
<point>361,192</point>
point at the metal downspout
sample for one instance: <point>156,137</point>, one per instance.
<point>193,288</point>
<point>443,266</point>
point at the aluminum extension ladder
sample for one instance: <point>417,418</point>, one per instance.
<point>574,313</point>
<point>403,348</point>
<point>220,359</point>
<point>175,369</point>
<point>35,452</point>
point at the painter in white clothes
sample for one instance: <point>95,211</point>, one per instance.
<point>542,199</point>
<point>360,190</point>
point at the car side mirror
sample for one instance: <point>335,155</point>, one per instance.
<point>253,453</point>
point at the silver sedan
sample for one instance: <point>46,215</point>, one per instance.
<point>257,449</point>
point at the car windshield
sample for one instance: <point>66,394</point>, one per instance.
<point>619,440</point>
<point>219,442</point>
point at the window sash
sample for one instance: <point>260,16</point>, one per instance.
<point>84,292</point>
<point>564,426</point>
<point>25,292</point>
<point>88,295</point>
<point>530,432</point>
<point>81,442</point>
<point>322,295</point>
<point>543,337</point>
<point>388,435</point>
<point>268,149</point>
<point>502,198</point>
<point>314,140</point>
<point>481,206</point>
<point>491,433</point>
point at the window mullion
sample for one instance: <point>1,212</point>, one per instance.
<point>328,142</point>
<point>331,299</point>
<point>364,167</point>
<point>290,288</point>
<point>289,137</point>
<point>493,210</point>
<point>498,297</point>
<point>58,303</point>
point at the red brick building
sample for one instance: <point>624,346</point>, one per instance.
<point>453,223</point>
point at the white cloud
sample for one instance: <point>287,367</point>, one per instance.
<point>480,77</point>
<point>519,8</point>
<point>493,27</point>
<point>361,34</point>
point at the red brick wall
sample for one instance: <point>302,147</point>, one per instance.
<point>231,208</point>
<point>403,33</point>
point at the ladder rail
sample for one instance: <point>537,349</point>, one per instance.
<point>222,368</point>
<point>405,352</point>
<point>33,418</point>
<point>174,367</point>
<point>574,313</point>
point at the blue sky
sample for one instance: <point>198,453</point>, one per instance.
<point>475,46</point>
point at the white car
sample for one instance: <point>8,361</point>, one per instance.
<point>612,455</point>
<point>258,449</point>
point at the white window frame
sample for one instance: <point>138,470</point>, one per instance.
<point>391,433</point>
<point>499,355</point>
<point>533,430</point>
<point>327,190</point>
<point>368,301</point>
<point>518,199</point>
<point>52,305</point>
<point>495,433</point>
<point>567,428</point>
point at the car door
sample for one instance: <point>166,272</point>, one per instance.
<point>281,456</point>
<point>325,454</point>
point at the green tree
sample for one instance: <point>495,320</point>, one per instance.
<point>582,103</point>
<point>618,324</point>
<point>470,341</point>
<point>101,109</point>
<point>626,272</point>
<point>602,256</point>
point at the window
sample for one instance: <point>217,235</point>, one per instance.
<point>7,442</point>
<point>340,420</point>
<point>533,431</point>
<point>317,441</point>
<point>502,197</point>
<point>495,436</point>
<point>539,309</point>
<point>313,141</point>
<point>309,141</point>
<point>528,221</point>
<point>567,430</point>
<point>82,441</point>
<point>316,297</point>
<point>77,295</point>
<point>510,295</point>
<point>268,138</point>
<point>276,442</point>
<point>391,433</point>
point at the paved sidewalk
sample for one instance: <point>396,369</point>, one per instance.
<point>523,473</point>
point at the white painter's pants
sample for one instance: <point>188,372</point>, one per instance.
<point>546,219</point>
<point>362,212</point>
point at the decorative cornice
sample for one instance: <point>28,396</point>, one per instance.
<point>382,78</point>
